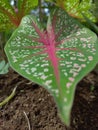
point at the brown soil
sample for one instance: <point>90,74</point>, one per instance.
<point>41,109</point>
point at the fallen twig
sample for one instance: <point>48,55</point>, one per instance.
<point>27,120</point>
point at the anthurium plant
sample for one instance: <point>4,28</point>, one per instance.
<point>56,58</point>
<point>10,16</point>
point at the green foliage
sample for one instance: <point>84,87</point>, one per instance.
<point>73,53</point>
<point>76,8</point>
<point>4,67</point>
<point>10,16</point>
<point>90,24</point>
<point>95,9</point>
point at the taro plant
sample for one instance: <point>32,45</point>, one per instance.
<point>56,58</point>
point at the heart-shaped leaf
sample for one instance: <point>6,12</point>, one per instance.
<point>10,17</point>
<point>56,58</point>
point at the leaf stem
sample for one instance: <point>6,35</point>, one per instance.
<point>8,98</point>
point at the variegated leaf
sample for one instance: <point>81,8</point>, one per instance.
<point>56,58</point>
<point>25,6</point>
<point>77,7</point>
<point>11,16</point>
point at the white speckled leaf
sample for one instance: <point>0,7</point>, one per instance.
<point>75,8</point>
<point>57,61</point>
<point>25,6</point>
<point>6,12</point>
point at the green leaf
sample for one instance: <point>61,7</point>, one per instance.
<point>4,67</point>
<point>9,17</point>
<point>2,63</point>
<point>6,15</point>
<point>95,9</point>
<point>57,58</point>
<point>25,6</point>
<point>75,8</point>
<point>92,25</point>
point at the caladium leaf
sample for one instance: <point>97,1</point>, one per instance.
<point>24,6</point>
<point>7,15</point>
<point>56,58</point>
<point>10,16</point>
<point>77,7</point>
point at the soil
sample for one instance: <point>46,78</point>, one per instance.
<point>40,107</point>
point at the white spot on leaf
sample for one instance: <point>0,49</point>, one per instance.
<point>65,99</point>
<point>83,65</point>
<point>33,69</point>
<point>71,79</point>
<point>90,58</point>
<point>46,70</point>
<point>43,77</point>
<point>48,82</point>
<point>28,72</point>
<point>68,85</point>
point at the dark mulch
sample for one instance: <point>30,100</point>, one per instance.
<point>41,109</point>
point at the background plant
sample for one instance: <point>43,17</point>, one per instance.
<point>4,67</point>
<point>10,16</point>
<point>76,8</point>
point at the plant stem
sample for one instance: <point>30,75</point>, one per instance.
<point>8,98</point>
